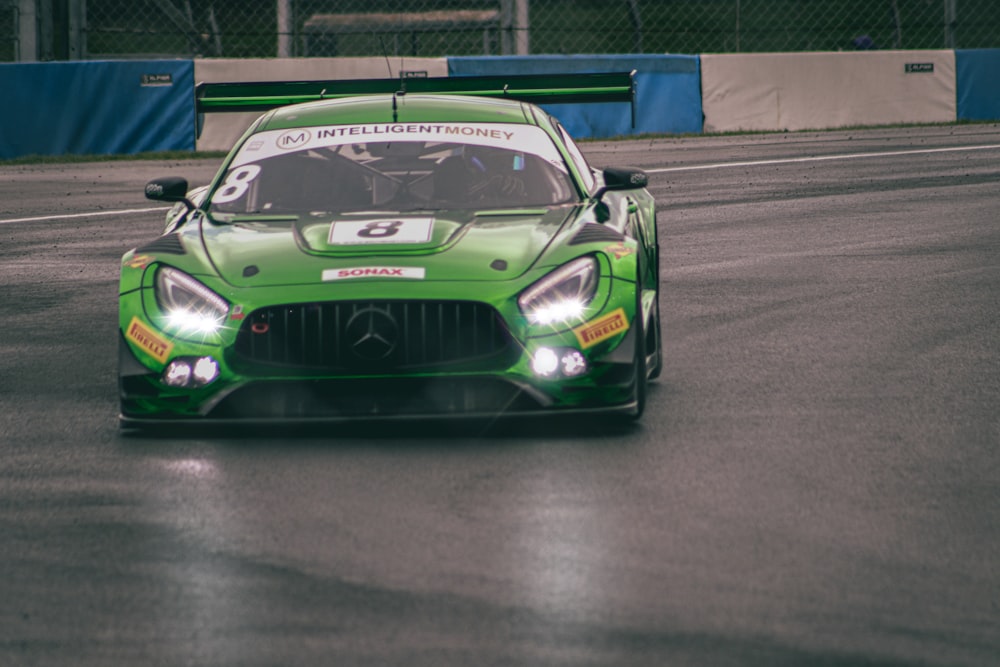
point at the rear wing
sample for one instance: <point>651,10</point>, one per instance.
<point>534,88</point>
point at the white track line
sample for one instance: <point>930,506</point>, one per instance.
<point>92,214</point>
<point>823,158</point>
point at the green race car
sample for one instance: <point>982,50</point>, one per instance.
<point>441,250</point>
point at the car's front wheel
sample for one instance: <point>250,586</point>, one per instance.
<point>654,341</point>
<point>639,361</point>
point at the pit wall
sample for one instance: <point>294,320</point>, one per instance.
<point>127,107</point>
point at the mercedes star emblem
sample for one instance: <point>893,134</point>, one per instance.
<point>372,334</point>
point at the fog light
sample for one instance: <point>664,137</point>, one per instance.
<point>559,362</point>
<point>190,372</point>
<point>545,362</point>
<point>206,369</point>
<point>573,363</point>
<point>177,373</point>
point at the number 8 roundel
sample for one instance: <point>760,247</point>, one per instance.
<point>393,230</point>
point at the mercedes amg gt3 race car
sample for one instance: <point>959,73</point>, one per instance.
<point>396,249</point>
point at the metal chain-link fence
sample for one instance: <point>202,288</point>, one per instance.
<point>91,29</point>
<point>8,31</point>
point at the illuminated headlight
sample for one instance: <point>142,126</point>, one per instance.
<point>189,305</point>
<point>562,295</point>
<point>553,362</point>
<point>190,372</point>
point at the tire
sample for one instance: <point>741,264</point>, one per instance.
<point>639,360</point>
<point>657,334</point>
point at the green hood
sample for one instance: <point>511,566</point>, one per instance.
<point>463,246</point>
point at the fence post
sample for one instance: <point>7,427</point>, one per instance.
<point>950,16</point>
<point>636,19</point>
<point>521,28</point>
<point>76,40</point>
<point>27,31</point>
<point>284,11</point>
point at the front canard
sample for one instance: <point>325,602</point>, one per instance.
<point>602,328</point>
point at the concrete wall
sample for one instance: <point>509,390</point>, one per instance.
<point>800,91</point>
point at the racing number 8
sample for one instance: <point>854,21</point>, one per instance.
<point>384,230</point>
<point>236,184</point>
<point>380,229</point>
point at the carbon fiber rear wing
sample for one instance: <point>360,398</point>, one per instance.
<point>535,88</point>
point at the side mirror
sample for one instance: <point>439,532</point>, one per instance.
<point>169,189</point>
<point>625,178</point>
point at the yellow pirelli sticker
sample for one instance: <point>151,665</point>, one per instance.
<point>602,328</point>
<point>149,340</point>
<point>619,250</point>
<point>139,261</point>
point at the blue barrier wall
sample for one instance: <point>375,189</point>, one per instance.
<point>978,84</point>
<point>122,107</point>
<point>668,97</point>
<point>96,107</point>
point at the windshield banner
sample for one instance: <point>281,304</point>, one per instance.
<point>524,138</point>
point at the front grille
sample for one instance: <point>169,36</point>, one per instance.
<point>373,337</point>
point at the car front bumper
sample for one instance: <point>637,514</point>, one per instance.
<point>518,390</point>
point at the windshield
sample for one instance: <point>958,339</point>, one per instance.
<point>394,167</point>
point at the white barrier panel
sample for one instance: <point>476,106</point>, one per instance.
<point>221,130</point>
<point>803,91</point>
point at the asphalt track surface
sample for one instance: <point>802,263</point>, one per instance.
<point>815,481</point>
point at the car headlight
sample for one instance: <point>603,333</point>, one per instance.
<point>189,305</point>
<point>562,295</point>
